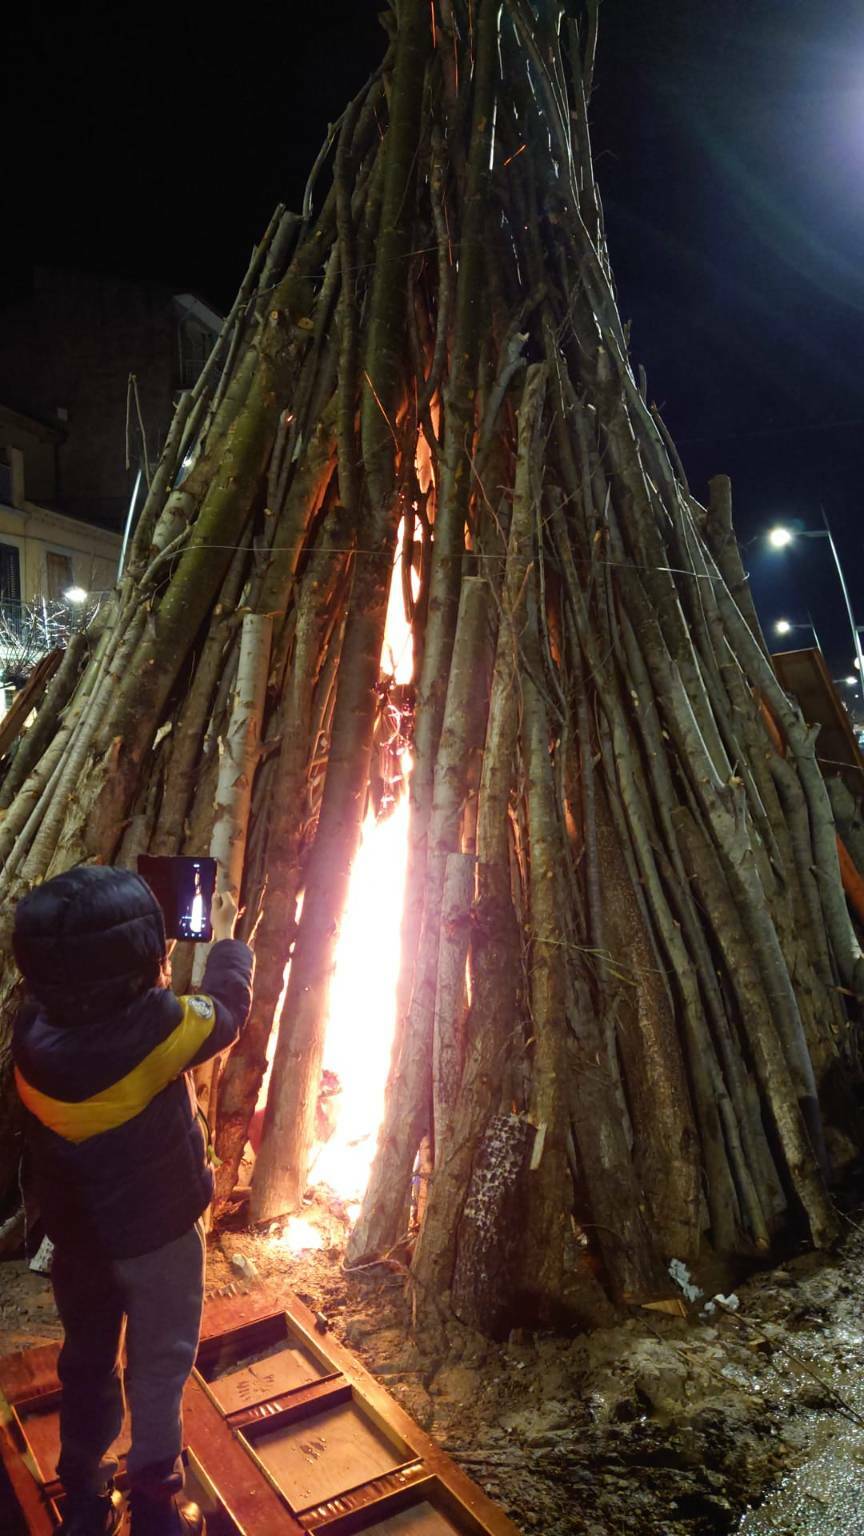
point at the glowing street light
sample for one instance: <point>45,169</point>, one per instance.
<point>75,595</point>
<point>780,537</point>
<point>785,627</point>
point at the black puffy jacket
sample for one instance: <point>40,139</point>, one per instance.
<point>117,1150</point>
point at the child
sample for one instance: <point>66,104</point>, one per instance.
<point>118,1164</point>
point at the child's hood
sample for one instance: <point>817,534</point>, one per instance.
<point>87,941</point>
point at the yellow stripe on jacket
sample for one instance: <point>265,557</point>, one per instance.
<point>125,1099</point>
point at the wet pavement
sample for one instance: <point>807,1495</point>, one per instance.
<point>824,1495</point>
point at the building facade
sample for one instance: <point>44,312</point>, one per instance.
<point>43,552</point>
<point>91,368</point>
<point>101,361</point>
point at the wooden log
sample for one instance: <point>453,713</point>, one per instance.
<point>567,1048</point>
<point>493,1021</point>
<point>720,535</point>
<point>758,1014</point>
<point>289,818</point>
<point>409,1085</point>
<point>39,734</point>
<point>448,1039</point>
<point>654,1043</point>
<point>849,815</point>
<point>492,1229</point>
<point>240,751</point>
<point>280,1170</point>
<point>181,778</point>
<point>27,699</point>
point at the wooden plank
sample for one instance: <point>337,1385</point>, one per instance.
<point>312,1398</point>
<point>24,701</point>
<point>263,1380</point>
<point>30,1374</point>
<point>42,1432</point>
<point>368,1496</point>
<point>363,1504</point>
<point>805,675</point>
<point>424,1509</point>
<point>250,1500</point>
<point>267,1453</point>
<point>325,1453</point>
<point>229,1313</point>
<point>41,1426</point>
<point>489,1518</point>
<point>415,1520</point>
<point>20,1473</point>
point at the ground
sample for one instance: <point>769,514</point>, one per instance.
<point>750,1419</point>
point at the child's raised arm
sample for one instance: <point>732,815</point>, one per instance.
<point>225,994</point>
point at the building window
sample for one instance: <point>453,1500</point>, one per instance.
<point>10,589</point>
<point>196,344</point>
<point>10,573</point>
<point>59,576</point>
<point>5,480</point>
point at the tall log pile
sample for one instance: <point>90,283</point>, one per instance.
<point>654,1035</point>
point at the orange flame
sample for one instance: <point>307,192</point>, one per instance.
<point>362,1005</point>
<point>362,1012</point>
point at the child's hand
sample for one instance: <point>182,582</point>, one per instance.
<point>223,915</point>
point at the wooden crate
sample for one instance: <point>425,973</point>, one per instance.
<point>286,1433</point>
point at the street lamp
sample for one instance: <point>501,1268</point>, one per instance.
<point>128,525</point>
<point>785,627</point>
<point>780,537</point>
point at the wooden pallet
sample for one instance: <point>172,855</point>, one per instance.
<point>286,1434</point>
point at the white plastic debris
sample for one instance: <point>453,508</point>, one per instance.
<point>43,1257</point>
<point>244,1266</point>
<point>684,1280</point>
<point>726,1303</point>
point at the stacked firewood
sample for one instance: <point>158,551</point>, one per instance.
<point>625,942</point>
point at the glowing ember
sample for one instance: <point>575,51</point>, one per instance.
<point>298,1235</point>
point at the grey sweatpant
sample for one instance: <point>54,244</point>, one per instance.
<point>157,1298</point>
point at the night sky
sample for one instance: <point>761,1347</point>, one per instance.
<point>729,139</point>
